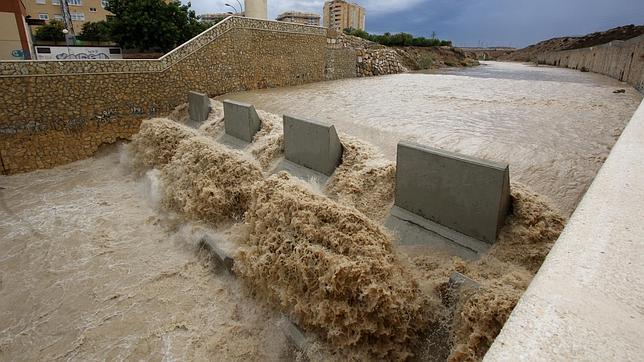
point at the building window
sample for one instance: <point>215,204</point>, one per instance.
<point>55,2</point>
<point>92,10</point>
<point>104,3</point>
<point>78,16</point>
<point>44,16</point>
<point>58,17</point>
<point>75,2</point>
<point>42,2</point>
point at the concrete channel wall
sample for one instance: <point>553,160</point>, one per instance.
<point>622,60</point>
<point>55,112</point>
<point>586,303</point>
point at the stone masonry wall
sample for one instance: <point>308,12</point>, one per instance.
<point>373,62</point>
<point>341,61</point>
<point>622,60</point>
<point>350,56</point>
<point>55,112</point>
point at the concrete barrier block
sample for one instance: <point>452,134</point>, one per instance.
<point>198,106</point>
<point>312,144</point>
<point>241,120</point>
<point>465,194</point>
<point>222,260</point>
<point>459,287</point>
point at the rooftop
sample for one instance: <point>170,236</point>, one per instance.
<point>299,14</point>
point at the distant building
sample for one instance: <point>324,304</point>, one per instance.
<point>341,14</point>
<point>300,18</point>
<point>80,11</point>
<point>15,43</point>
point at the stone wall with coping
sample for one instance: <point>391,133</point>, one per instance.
<point>55,112</point>
<point>622,60</point>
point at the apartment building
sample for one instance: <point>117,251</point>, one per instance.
<point>300,18</point>
<point>80,11</point>
<point>341,14</point>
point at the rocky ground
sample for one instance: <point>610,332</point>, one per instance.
<point>377,59</point>
<point>568,43</point>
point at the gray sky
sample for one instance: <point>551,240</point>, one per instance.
<point>472,22</point>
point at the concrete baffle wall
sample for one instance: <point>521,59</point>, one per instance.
<point>241,120</point>
<point>465,194</point>
<point>311,144</point>
<point>198,106</point>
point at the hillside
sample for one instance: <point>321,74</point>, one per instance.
<point>569,43</point>
<point>410,57</point>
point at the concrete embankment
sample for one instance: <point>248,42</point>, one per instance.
<point>586,301</point>
<point>622,60</point>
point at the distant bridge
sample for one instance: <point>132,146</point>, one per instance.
<point>487,53</point>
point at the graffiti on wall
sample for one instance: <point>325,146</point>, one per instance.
<point>18,53</point>
<point>77,53</point>
<point>81,56</point>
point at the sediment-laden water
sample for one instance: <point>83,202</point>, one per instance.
<point>100,258</point>
<point>553,126</point>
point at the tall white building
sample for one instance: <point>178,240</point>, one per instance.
<point>257,9</point>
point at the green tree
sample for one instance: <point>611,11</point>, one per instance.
<point>52,31</point>
<point>399,39</point>
<point>96,31</point>
<point>152,24</point>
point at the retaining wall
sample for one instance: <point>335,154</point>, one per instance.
<point>54,112</point>
<point>622,60</point>
<point>585,303</point>
<point>341,61</point>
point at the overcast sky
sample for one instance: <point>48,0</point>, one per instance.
<point>515,23</point>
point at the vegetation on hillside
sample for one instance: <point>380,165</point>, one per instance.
<point>398,39</point>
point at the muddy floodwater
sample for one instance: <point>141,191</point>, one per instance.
<point>554,126</point>
<point>93,268</point>
<point>90,271</point>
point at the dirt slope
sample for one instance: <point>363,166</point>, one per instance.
<point>569,43</point>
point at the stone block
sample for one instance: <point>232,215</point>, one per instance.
<point>312,144</point>
<point>465,194</point>
<point>241,120</point>
<point>198,106</point>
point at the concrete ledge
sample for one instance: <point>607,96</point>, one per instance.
<point>241,120</point>
<point>411,229</point>
<point>312,144</point>
<point>198,107</point>
<point>465,194</point>
<point>587,301</point>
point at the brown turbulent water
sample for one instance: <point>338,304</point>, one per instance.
<point>99,258</point>
<point>553,126</point>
